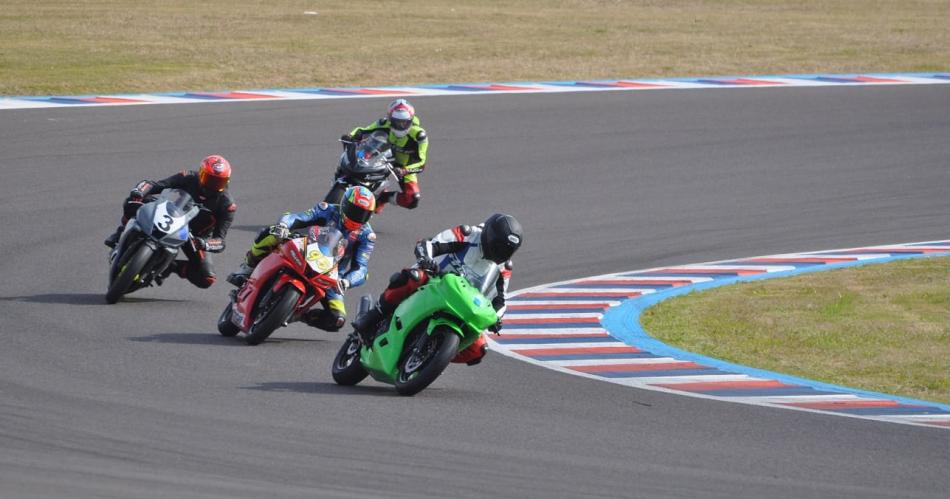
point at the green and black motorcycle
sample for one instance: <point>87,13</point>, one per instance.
<point>426,331</point>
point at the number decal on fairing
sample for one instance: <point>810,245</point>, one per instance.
<point>165,224</point>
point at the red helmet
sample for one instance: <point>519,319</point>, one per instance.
<point>357,207</point>
<point>214,174</point>
<point>400,116</point>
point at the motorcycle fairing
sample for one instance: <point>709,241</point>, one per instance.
<point>448,300</point>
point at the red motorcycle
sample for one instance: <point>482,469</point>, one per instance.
<point>285,284</point>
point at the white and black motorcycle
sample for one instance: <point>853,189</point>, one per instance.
<point>150,242</point>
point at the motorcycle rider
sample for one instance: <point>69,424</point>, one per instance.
<point>409,144</point>
<point>478,248</point>
<point>351,217</point>
<point>208,186</point>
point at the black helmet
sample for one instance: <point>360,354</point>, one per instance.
<point>501,237</point>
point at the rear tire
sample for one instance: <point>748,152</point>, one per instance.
<point>347,369</point>
<point>225,326</point>
<point>424,361</point>
<point>271,313</point>
<point>127,273</point>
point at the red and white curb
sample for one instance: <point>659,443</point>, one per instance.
<point>590,327</point>
<point>777,81</point>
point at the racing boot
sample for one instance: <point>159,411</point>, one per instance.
<point>239,276</point>
<point>172,268</point>
<point>113,238</point>
<point>323,319</point>
<point>367,324</point>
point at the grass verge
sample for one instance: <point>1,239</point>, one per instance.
<point>882,327</point>
<point>122,46</point>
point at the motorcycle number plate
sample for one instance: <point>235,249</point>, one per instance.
<point>319,261</point>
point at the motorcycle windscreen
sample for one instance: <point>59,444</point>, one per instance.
<point>372,155</point>
<point>325,248</point>
<point>180,200</point>
<point>482,277</point>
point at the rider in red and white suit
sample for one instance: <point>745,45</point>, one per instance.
<point>465,250</point>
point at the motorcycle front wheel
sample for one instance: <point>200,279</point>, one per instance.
<point>128,273</point>
<point>271,313</point>
<point>424,359</point>
<point>347,369</point>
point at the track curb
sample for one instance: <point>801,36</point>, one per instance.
<point>590,327</point>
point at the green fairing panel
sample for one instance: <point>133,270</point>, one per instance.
<point>450,294</point>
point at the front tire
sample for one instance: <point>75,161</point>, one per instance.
<point>347,369</point>
<point>225,326</point>
<point>424,360</point>
<point>271,313</point>
<point>128,273</point>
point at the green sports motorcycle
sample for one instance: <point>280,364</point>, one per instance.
<point>425,332</point>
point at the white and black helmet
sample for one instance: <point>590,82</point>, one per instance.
<point>400,116</point>
<point>501,237</point>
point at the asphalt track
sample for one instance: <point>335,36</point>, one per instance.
<point>144,399</point>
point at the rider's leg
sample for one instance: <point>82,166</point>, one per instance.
<point>129,208</point>
<point>198,269</point>
<point>410,195</point>
<point>474,353</point>
<point>401,285</point>
<point>263,244</point>
<point>329,318</point>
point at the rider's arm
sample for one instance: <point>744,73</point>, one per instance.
<point>359,267</point>
<point>418,160</point>
<point>224,216</point>
<point>320,214</point>
<point>176,181</point>
<point>445,242</point>
<point>501,289</point>
<point>358,132</point>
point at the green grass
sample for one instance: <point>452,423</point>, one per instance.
<point>883,327</point>
<point>121,46</point>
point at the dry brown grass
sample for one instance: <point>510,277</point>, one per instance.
<point>58,47</point>
<point>884,328</point>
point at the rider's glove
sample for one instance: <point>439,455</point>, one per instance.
<point>214,245</point>
<point>346,138</point>
<point>280,231</point>
<point>423,249</point>
<point>428,264</point>
<point>342,285</point>
<point>200,243</point>
<point>140,190</point>
<point>496,327</point>
<point>399,171</point>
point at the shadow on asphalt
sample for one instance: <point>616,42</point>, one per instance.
<point>190,339</point>
<point>318,387</point>
<point>82,299</point>
<point>204,338</point>
<point>249,228</point>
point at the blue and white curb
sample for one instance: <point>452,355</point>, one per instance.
<point>779,81</point>
<point>591,327</point>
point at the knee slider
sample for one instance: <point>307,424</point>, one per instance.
<point>399,278</point>
<point>414,202</point>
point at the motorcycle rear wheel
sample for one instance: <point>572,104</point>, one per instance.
<point>127,274</point>
<point>347,369</point>
<point>225,326</point>
<point>271,313</point>
<point>424,359</point>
